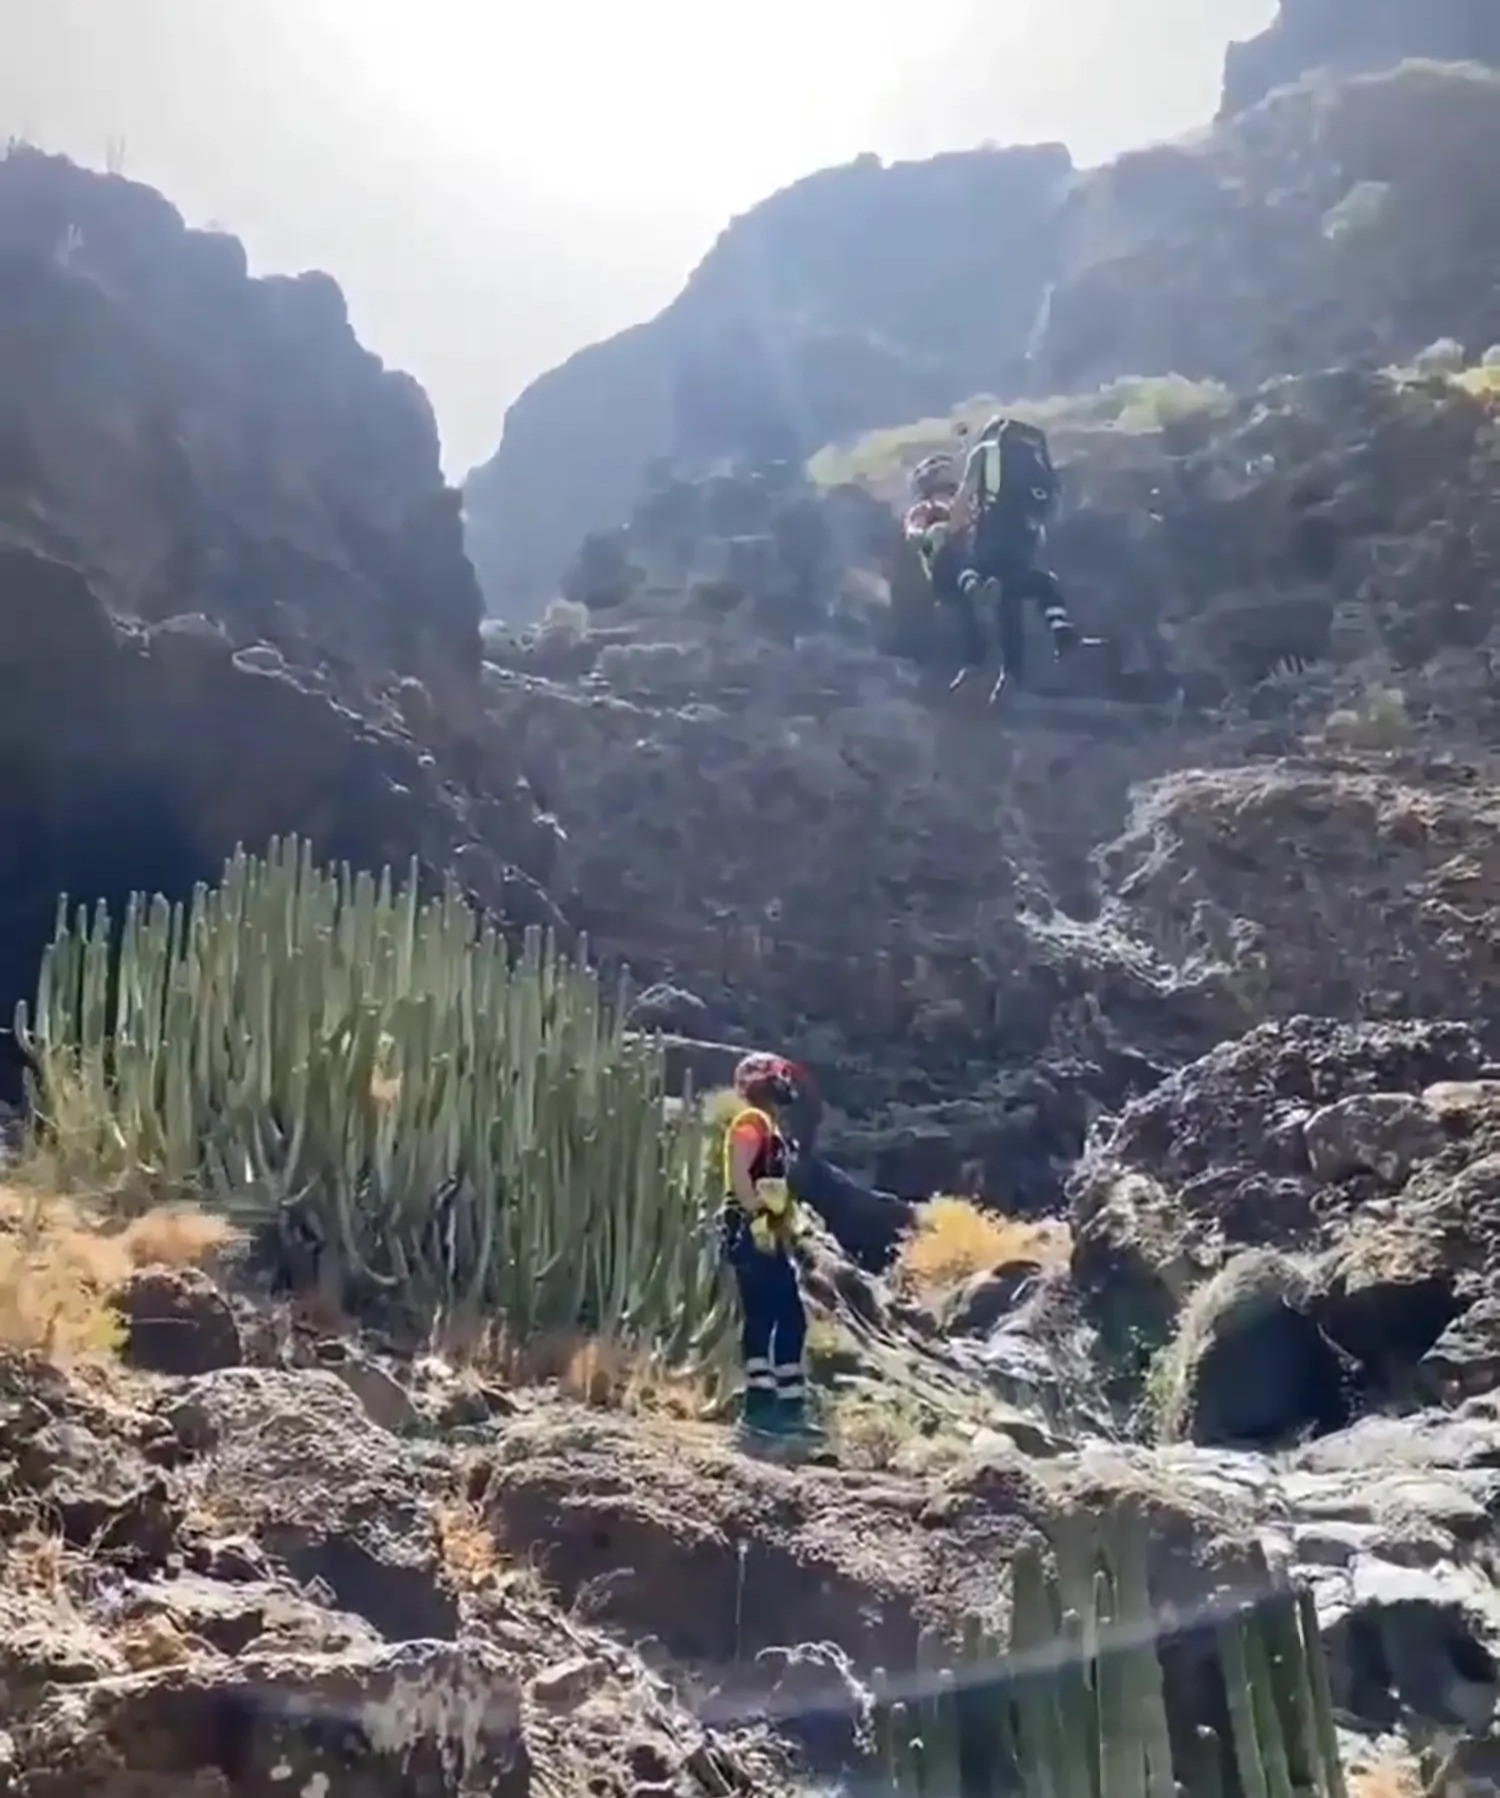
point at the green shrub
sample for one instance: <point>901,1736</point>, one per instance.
<point>1064,1688</point>
<point>566,618</point>
<point>1250,1283</point>
<point>466,1131</point>
<point>1151,403</point>
<point>1134,403</point>
<point>1484,381</point>
<point>1377,720</point>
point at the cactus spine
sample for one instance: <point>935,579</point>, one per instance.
<point>467,1130</point>
<point>1070,1701</point>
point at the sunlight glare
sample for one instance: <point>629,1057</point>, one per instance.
<point>670,99</point>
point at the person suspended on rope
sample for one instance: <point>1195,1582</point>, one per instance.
<point>758,1227</point>
<point>929,526</point>
<point>1008,491</point>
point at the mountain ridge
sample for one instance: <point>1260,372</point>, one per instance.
<point>1035,277</point>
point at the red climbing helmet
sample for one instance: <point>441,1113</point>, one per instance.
<point>763,1076</point>
<point>935,477</point>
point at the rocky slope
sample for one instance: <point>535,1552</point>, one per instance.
<point>1335,222</point>
<point>1269,795</point>
<point>1191,949</point>
<point>1355,37</point>
<point>260,1573</point>
<point>254,1553</point>
<point>1332,224</point>
<point>849,299</point>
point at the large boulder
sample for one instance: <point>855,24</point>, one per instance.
<point>1250,1368</point>
<point>1370,1153</point>
<point>177,1322</point>
<point>426,1716</point>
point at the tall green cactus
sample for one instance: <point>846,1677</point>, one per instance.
<point>1071,1702</point>
<point>467,1129</point>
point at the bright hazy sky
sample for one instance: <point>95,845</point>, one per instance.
<point>495,184</point>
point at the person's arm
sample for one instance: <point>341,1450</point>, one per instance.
<point>744,1146</point>
<point>916,523</point>
<point>965,499</point>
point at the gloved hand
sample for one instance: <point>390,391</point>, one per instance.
<point>772,1196</point>
<point>763,1233</point>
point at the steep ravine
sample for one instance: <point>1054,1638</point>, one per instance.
<point>980,928</point>
<point>1178,950</point>
<point>1335,222</point>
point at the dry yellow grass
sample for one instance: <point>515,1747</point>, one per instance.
<point>475,1561</point>
<point>385,1090</point>
<point>893,1434</point>
<point>592,1370</point>
<point>619,1377</point>
<point>1386,1779</point>
<point>869,1435</point>
<point>832,1349</point>
<point>466,1544</point>
<point>175,1236</point>
<point>34,1561</point>
<point>955,1239</point>
<point>150,1642</point>
<point>61,1259</point>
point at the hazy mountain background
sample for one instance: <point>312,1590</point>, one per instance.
<point>495,187</point>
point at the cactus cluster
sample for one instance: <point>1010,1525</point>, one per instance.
<point>1071,1701</point>
<point>466,1129</point>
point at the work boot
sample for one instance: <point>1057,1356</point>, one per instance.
<point>759,1411</point>
<point>796,1418</point>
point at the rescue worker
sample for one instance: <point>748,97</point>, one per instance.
<point>928,527</point>
<point>928,524</point>
<point>758,1228</point>
<point>1008,491</point>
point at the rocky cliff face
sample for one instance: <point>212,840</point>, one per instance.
<point>1354,37</point>
<point>190,439</point>
<point>1156,948</point>
<point>1337,223</point>
<point>861,296</point>
<point>1333,224</point>
<point>1189,948</point>
<point>235,597</point>
<point>1267,792</point>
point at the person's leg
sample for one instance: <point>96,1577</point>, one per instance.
<point>1004,595</point>
<point>1010,627</point>
<point>757,1320</point>
<point>956,587</point>
<point>984,580</point>
<point>788,1341</point>
<point>1042,586</point>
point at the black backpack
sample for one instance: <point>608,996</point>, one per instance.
<point>1015,470</point>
